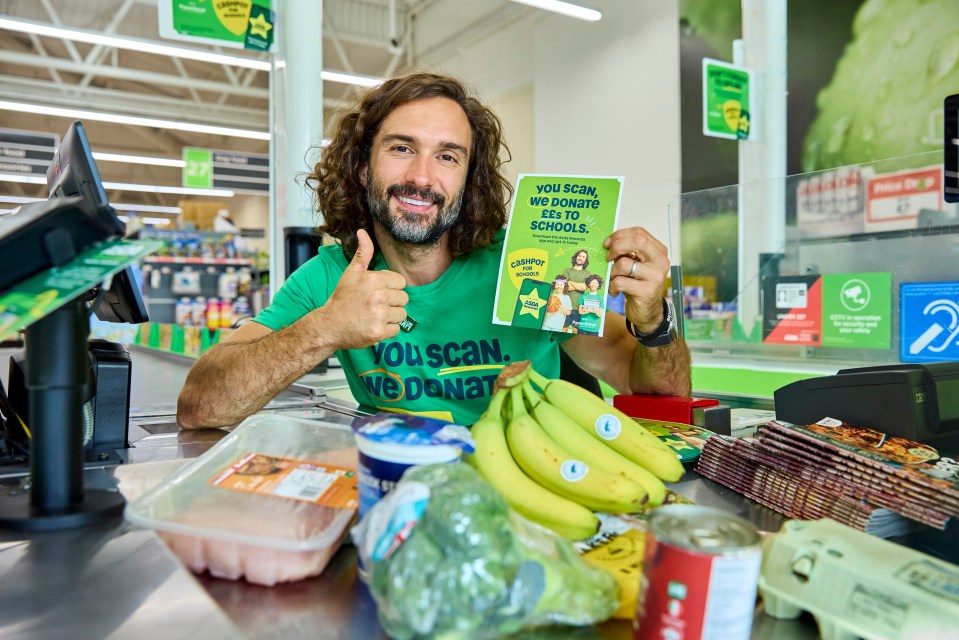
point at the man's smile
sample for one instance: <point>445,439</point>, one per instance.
<point>416,203</point>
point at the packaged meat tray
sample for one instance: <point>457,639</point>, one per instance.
<point>270,502</point>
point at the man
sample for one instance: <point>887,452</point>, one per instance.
<point>410,187</point>
<point>576,275</point>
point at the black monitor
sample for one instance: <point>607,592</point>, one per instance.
<point>50,233</point>
<point>950,146</point>
<point>73,172</point>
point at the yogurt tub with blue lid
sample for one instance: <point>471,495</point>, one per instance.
<point>389,444</point>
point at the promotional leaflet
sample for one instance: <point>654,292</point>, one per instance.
<point>554,274</point>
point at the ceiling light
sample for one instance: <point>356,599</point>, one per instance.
<point>82,114</point>
<point>16,177</point>
<point>116,157</point>
<point>565,8</point>
<point>146,208</point>
<point>186,191</point>
<point>157,221</point>
<point>351,78</point>
<point>119,206</point>
<point>150,46</point>
<point>122,186</point>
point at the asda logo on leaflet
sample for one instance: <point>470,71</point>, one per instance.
<point>452,370</point>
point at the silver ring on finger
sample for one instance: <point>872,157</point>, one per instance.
<point>632,269</point>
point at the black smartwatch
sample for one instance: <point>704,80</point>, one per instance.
<point>662,335</point>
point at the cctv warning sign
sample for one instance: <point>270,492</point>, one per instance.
<point>851,310</point>
<point>857,310</point>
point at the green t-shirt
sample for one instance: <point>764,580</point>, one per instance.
<point>589,321</point>
<point>576,275</point>
<point>445,367</point>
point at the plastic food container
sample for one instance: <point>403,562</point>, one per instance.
<point>270,502</point>
<point>389,444</point>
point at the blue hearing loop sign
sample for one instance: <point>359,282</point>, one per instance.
<point>929,321</point>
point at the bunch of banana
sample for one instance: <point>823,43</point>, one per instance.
<point>494,462</point>
<point>559,453</point>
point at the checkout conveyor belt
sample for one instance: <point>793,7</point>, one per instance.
<point>117,581</point>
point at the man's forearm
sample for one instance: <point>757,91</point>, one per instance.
<point>662,370</point>
<point>233,380</point>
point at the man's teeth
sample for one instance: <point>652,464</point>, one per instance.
<point>414,202</point>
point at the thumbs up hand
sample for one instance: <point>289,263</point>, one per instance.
<point>367,306</point>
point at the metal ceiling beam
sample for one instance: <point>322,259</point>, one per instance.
<point>55,19</point>
<point>38,45</point>
<point>96,53</point>
<point>112,100</point>
<point>138,104</point>
<point>186,76</point>
<point>133,75</point>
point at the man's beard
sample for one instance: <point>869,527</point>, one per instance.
<point>410,228</point>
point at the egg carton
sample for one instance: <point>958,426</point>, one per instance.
<point>856,585</point>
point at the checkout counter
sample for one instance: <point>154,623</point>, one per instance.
<point>114,580</point>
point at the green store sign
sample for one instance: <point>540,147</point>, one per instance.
<point>245,24</point>
<point>727,110</point>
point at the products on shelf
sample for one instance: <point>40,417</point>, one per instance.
<point>205,245</point>
<point>198,313</point>
<point>241,308</point>
<point>228,284</point>
<point>212,313</point>
<point>201,266</point>
<point>185,281</point>
<point>226,313</point>
<point>244,282</point>
<point>183,315</point>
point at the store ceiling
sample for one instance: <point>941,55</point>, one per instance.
<point>49,71</point>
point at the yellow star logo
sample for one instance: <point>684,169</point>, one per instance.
<point>259,26</point>
<point>532,303</point>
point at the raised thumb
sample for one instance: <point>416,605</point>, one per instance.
<point>364,252</point>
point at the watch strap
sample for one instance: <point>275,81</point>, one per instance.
<point>658,337</point>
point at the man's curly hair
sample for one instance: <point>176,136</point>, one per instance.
<point>340,198</point>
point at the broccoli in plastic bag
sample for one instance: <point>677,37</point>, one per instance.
<point>446,556</point>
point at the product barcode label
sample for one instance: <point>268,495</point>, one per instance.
<point>302,484</point>
<point>325,485</point>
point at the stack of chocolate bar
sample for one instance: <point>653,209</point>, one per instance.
<point>832,469</point>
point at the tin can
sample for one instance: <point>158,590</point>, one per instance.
<point>700,573</point>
